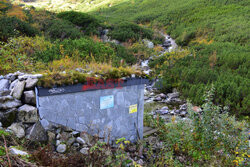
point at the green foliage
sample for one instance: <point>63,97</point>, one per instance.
<point>129,31</point>
<point>209,138</point>
<point>12,26</point>
<point>217,33</point>
<point>62,29</point>
<point>88,23</point>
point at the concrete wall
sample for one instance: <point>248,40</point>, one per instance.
<point>81,111</point>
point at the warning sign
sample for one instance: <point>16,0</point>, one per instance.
<point>132,108</point>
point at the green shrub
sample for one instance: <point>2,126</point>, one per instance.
<point>62,29</point>
<point>210,138</point>
<point>129,31</point>
<point>12,26</point>
<point>88,23</point>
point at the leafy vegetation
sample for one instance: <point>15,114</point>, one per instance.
<point>210,138</point>
<point>88,23</point>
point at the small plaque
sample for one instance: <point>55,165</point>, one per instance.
<point>106,102</point>
<point>132,108</point>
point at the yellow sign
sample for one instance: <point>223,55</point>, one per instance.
<point>132,108</point>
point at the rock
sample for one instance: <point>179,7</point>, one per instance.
<point>61,148</point>
<point>80,140</point>
<point>26,76</point>
<point>15,151</point>
<point>4,84</point>
<point>71,141</point>
<point>86,137</point>
<point>84,151</point>
<point>27,114</point>
<point>58,142</point>
<point>6,98</point>
<point>173,95</point>
<point>162,112</point>
<point>4,93</point>
<point>8,117</point>
<point>10,77</point>
<point>183,107</point>
<point>162,95</point>
<point>17,129</point>
<point>58,136</point>
<point>164,108</point>
<point>10,104</point>
<point>76,146</point>
<point>31,83</point>
<point>157,99</point>
<point>51,136</point>
<point>148,43</point>
<point>18,89</point>
<point>75,134</point>
<point>183,113</point>
<point>12,85</point>
<point>30,97</point>
<point>177,111</point>
<point>37,133</point>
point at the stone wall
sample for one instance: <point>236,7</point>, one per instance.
<point>68,119</point>
<point>82,112</point>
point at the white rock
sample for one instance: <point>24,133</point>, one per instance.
<point>4,84</point>
<point>17,129</point>
<point>84,151</point>
<point>30,83</point>
<point>15,151</point>
<point>58,142</point>
<point>80,140</point>
<point>18,89</point>
<point>61,148</point>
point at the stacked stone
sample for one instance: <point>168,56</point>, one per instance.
<point>19,115</point>
<point>18,109</point>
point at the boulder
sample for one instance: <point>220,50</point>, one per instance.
<point>37,133</point>
<point>61,148</point>
<point>30,97</point>
<point>27,114</point>
<point>10,104</point>
<point>18,89</point>
<point>15,151</point>
<point>31,83</point>
<point>17,129</point>
<point>8,117</point>
<point>4,84</point>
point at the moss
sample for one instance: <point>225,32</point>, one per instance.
<point>50,80</point>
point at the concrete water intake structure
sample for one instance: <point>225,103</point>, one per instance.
<point>111,109</point>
